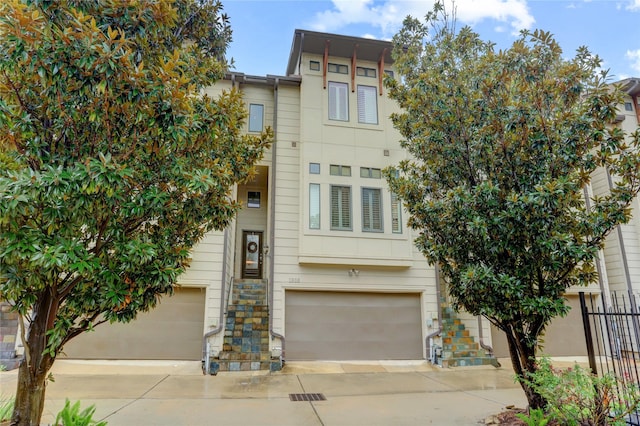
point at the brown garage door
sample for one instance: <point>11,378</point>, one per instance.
<point>352,326</point>
<point>173,330</point>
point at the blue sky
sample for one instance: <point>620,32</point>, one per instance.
<point>263,29</point>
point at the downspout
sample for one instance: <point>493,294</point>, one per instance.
<point>219,327</point>
<point>272,237</point>
<point>437,332</point>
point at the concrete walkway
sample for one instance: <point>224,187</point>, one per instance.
<point>176,393</point>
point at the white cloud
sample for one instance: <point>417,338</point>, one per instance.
<point>635,5</point>
<point>387,15</point>
<point>634,57</point>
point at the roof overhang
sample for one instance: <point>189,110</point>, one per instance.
<point>339,46</point>
<point>630,86</point>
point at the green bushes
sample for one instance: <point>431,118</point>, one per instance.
<point>71,415</point>
<point>576,397</point>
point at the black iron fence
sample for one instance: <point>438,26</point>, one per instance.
<point>612,333</point>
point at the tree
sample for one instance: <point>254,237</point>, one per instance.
<point>504,146</point>
<point>119,162</point>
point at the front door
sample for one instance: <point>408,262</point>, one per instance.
<point>252,254</point>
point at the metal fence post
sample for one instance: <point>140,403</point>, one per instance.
<point>587,334</point>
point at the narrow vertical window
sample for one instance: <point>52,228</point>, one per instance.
<point>396,218</point>
<point>338,101</point>
<point>256,117</point>
<point>341,208</point>
<point>367,105</point>
<point>371,210</point>
<point>314,206</point>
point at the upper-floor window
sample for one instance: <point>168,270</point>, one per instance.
<point>256,117</point>
<point>253,199</point>
<point>371,210</point>
<point>341,207</point>
<point>338,101</point>
<point>628,106</point>
<point>368,172</point>
<point>314,65</point>
<point>314,206</point>
<point>338,68</point>
<point>367,105</point>
<point>389,73</point>
<point>338,170</point>
<point>396,218</point>
<point>314,168</point>
<point>366,72</point>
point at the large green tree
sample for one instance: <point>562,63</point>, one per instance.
<point>504,144</point>
<point>119,163</point>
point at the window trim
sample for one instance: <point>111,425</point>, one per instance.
<point>369,172</point>
<point>318,200</point>
<point>380,209</point>
<point>313,167</point>
<point>338,94</point>
<point>253,117</point>
<point>398,211</point>
<point>369,95</point>
<point>341,169</point>
<point>340,227</point>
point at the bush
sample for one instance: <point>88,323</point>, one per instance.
<point>6,407</point>
<point>71,415</point>
<point>577,397</point>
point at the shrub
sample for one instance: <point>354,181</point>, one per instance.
<point>71,415</point>
<point>577,397</point>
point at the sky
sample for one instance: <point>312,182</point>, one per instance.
<point>263,29</point>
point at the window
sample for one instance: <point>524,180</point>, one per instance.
<point>314,168</point>
<point>314,65</point>
<point>256,117</point>
<point>338,101</point>
<point>368,172</point>
<point>341,207</point>
<point>338,68</point>
<point>314,206</point>
<point>396,219</point>
<point>367,105</point>
<point>389,73</point>
<point>371,210</point>
<point>253,199</point>
<point>628,106</point>
<point>335,170</point>
<point>366,72</point>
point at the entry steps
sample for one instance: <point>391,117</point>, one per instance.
<point>246,335</point>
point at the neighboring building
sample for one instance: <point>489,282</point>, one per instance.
<point>319,230</point>
<point>618,264</point>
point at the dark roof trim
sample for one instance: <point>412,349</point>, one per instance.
<point>339,46</point>
<point>269,80</point>
<point>631,86</point>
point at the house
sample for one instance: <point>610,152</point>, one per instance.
<point>319,264</point>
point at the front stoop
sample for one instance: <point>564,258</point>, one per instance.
<point>246,336</point>
<point>459,349</point>
<point>8,333</point>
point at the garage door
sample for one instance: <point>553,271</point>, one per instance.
<point>352,326</point>
<point>173,330</point>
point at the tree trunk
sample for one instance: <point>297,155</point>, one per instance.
<point>523,358</point>
<point>35,367</point>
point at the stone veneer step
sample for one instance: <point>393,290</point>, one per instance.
<point>246,336</point>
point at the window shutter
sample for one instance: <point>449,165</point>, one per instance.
<point>338,104</point>
<point>371,210</point>
<point>340,207</point>
<point>396,225</point>
<point>367,105</point>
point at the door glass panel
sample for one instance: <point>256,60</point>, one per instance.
<point>253,251</point>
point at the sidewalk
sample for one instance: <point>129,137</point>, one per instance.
<point>381,393</point>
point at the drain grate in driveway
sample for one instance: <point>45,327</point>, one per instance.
<point>307,397</point>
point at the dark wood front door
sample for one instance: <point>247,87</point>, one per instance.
<point>252,254</point>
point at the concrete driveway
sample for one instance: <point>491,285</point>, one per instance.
<point>176,393</point>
